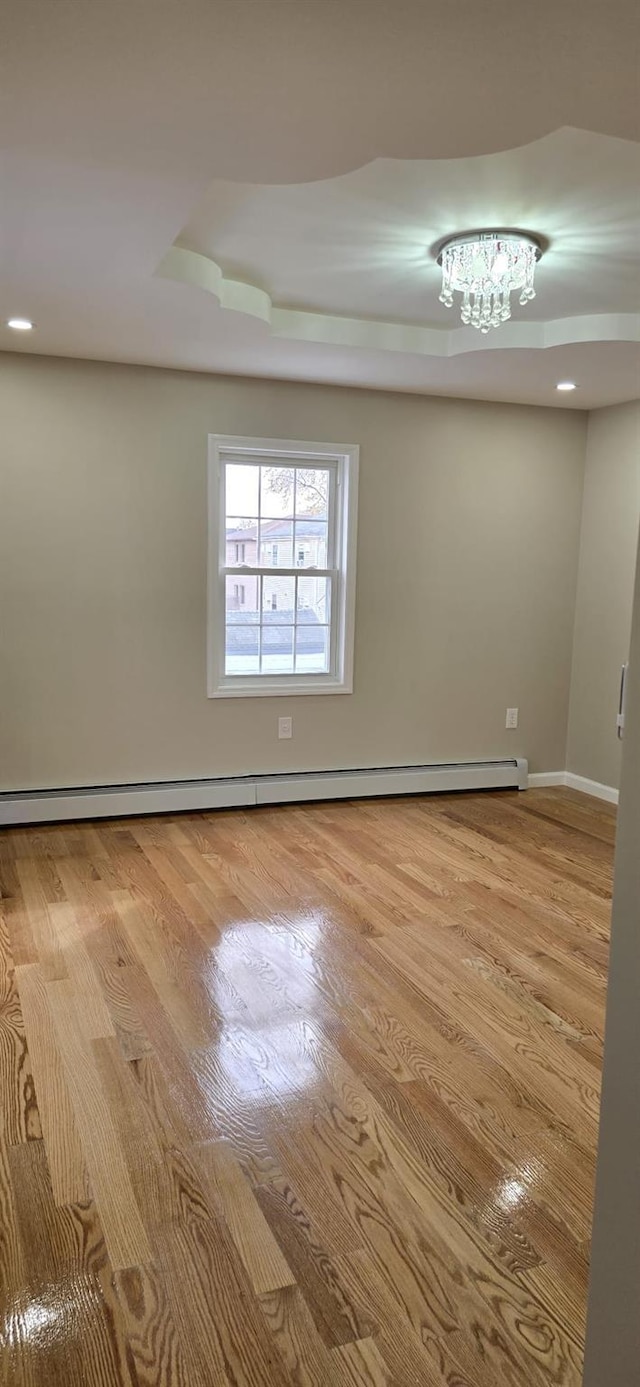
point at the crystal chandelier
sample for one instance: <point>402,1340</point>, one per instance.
<point>485,267</point>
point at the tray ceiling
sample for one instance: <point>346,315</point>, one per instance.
<point>350,260</point>
<point>352,148</point>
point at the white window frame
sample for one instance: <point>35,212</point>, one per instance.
<point>341,560</point>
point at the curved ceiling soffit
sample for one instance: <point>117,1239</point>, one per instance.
<point>201,271</point>
<point>188,267</point>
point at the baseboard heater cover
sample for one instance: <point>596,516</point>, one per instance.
<point>113,801</point>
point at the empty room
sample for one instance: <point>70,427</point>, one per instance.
<point>319,693</point>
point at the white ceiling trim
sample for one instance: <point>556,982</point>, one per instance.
<point>190,267</point>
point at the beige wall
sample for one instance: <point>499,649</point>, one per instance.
<point>467,560</point>
<point>609,538</point>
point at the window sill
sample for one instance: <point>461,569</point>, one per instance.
<point>281,687</point>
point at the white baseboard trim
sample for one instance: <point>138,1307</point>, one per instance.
<point>591,787</point>
<point>540,779</point>
<point>114,801</point>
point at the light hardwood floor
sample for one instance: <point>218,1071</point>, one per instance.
<point>305,1095</point>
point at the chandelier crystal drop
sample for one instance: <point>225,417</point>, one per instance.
<point>486,267</point>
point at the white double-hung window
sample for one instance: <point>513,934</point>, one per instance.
<point>282,555</point>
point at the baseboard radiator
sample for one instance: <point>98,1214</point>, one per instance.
<point>114,801</point>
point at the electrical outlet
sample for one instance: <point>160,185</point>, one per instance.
<point>285,728</point>
<point>512,718</point>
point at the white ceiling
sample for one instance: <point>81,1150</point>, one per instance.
<point>128,127</point>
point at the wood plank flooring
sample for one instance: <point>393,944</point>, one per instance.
<point>304,1096</point>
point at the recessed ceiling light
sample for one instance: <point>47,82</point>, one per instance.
<point>20,324</point>
<point>566,385</point>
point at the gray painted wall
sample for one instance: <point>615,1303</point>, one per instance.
<point>609,537</point>
<point>469,522</point>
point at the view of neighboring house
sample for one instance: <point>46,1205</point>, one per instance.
<point>280,545</point>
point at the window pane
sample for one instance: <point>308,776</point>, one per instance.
<point>314,601</point>
<point>310,544</point>
<point>241,537</point>
<point>241,489</point>
<point>277,649</point>
<point>277,491</point>
<point>276,544</point>
<point>242,601</point>
<point>278,599</point>
<point>284,558</point>
<point>312,492</point>
<point>242,647</point>
<point>312,650</point>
